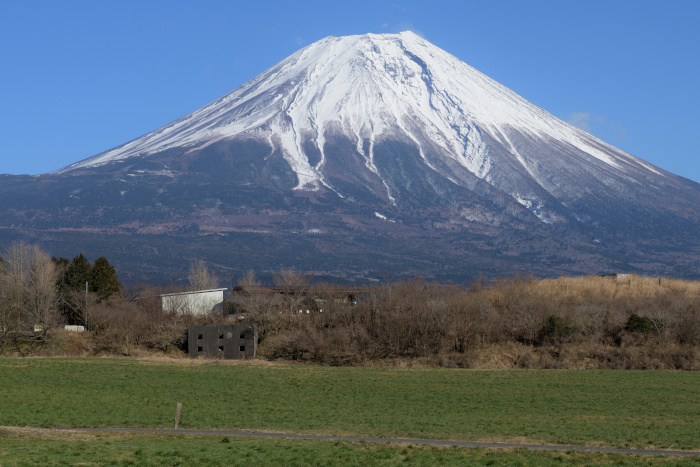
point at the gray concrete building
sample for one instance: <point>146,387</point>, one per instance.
<point>227,341</point>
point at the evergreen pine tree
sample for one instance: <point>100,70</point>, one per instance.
<point>104,280</point>
<point>78,272</point>
<point>62,267</point>
<point>71,288</point>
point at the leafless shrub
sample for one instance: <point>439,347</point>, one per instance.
<point>262,311</point>
<point>126,327</point>
<point>472,321</point>
<point>576,322</point>
<point>249,279</point>
<point>200,278</point>
<point>290,278</point>
<point>522,309</point>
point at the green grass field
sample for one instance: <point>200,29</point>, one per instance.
<point>657,409</point>
<point>33,447</point>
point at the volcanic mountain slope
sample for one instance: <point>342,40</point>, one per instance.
<point>370,153</point>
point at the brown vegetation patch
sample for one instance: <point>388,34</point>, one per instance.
<point>519,323</point>
<point>624,322</point>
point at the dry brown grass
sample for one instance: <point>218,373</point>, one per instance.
<point>570,322</point>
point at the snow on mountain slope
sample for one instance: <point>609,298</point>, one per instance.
<point>374,87</point>
<point>439,171</point>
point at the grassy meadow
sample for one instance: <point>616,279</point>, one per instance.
<point>39,447</point>
<point>647,409</point>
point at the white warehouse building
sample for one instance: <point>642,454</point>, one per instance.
<point>198,302</point>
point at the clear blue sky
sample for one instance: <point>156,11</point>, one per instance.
<point>80,77</point>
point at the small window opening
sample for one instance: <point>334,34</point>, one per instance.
<point>243,335</point>
<point>199,336</point>
<point>199,349</point>
<point>242,348</point>
<point>221,336</point>
<point>221,348</point>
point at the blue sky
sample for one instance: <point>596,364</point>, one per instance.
<point>80,77</point>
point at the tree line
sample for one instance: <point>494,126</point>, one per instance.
<point>38,292</point>
<point>522,322</point>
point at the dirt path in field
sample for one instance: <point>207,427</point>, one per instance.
<point>426,442</point>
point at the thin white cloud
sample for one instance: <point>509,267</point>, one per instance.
<point>596,125</point>
<point>300,41</point>
<point>581,120</point>
<point>406,26</point>
<point>385,25</point>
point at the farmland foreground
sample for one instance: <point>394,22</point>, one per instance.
<point>623,409</point>
<point>32,446</point>
<point>127,446</point>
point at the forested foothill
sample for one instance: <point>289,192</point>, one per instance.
<point>622,322</point>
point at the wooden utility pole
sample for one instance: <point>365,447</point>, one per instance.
<point>86,305</point>
<point>178,411</point>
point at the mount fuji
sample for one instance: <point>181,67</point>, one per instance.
<point>361,155</point>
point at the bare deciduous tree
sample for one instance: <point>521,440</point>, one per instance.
<point>27,289</point>
<point>17,259</point>
<point>249,279</point>
<point>290,278</point>
<point>5,315</point>
<point>200,278</point>
<point>41,287</point>
<point>294,284</point>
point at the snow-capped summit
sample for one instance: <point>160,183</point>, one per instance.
<point>364,154</point>
<point>327,108</point>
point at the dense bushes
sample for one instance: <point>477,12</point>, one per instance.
<point>555,331</point>
<point>591,322</point>
<point>587,322</point>
<point>129,327</point>
<point>644,324</point>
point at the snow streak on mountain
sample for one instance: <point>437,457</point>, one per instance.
<point>375,88</point>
